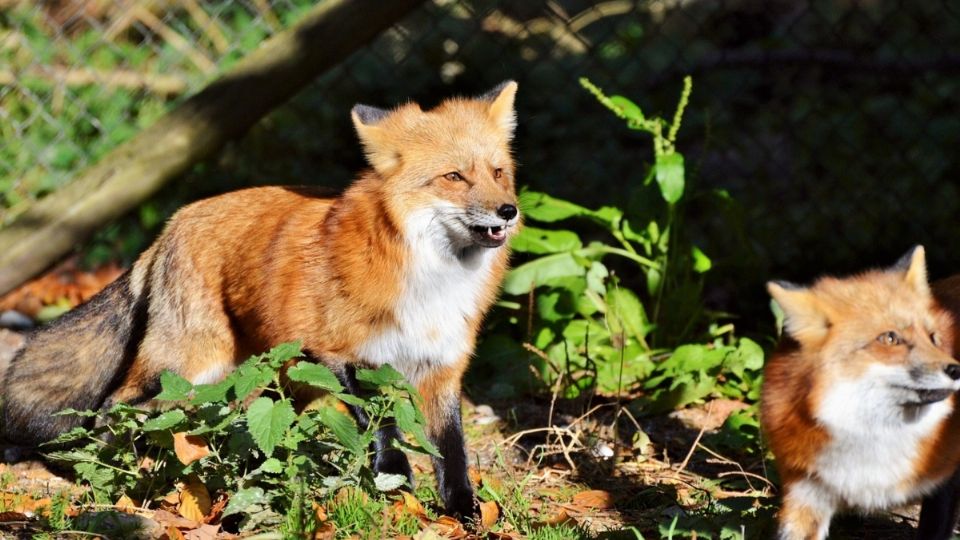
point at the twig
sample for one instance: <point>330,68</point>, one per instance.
<point>175,40</point>
<point>207,25</point>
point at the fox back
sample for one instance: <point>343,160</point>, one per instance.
<point>858,401</point>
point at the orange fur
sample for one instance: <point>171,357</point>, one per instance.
<point>838,338</point>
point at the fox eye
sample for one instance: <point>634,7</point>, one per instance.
<point>454,177</point>
<point>935,339</point>
<point>498,173</point>
<point>890,338</point>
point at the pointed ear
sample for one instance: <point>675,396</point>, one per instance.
<point>380,155</point>
<point>501,106</point>
<point>804,320</point>
<point>914,266</point>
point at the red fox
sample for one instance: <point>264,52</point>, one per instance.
<point>859,401</point>
<point>399,269</point>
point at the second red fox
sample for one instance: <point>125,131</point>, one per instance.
<point>400,269</point>
<point>859,401</point>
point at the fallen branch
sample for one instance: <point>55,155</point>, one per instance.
<point>194,131</point>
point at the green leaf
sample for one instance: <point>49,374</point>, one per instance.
<point>625,311</point>
<point>278,355</point>
<point>210,393</point>
<point>631,111</point>
<point>389,482</point>
<point>701,263</point>
<point>245,499</point>
<point>540,241</point>
<point>695,358</point>
<point>747,356</point>
<point>351,399</point>
<point>249,377</point>
<point>166,420</point>
<point>669,169</point>
<point>381,376</point>
<point>272,465</point>
<point>408,420</point>
<point>528,276</point>
<point>315,375</point>
<point>267,421</point>
<point>542,207</point>
<point>343,428</point>
<point>173,387</point>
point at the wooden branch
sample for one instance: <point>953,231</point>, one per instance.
<point>165,85</point>
<point>195,130</point>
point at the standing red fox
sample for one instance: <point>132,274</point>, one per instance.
<point>859,402</point>
<point>400,269</point>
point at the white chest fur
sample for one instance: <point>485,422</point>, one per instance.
<point>440,295</point>
<point>871,459</point>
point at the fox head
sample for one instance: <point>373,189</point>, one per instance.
<point>447,172</point>
<point>881,333</point>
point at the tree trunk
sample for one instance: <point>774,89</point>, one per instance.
<point>193,131</point>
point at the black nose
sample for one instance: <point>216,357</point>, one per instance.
<point>953,371</point>
<point>507,211</point>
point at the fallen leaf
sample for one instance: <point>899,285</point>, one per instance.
<point>189,448</point>
<point>449,528</point>
<point>217,509</point>
<point>560,518</point>
<point>594,498</point>
<point>412,505</point>
<point>489,514</point>
<point>203,532</point>
<point>125,504</point>
<point>474,475</point>
<point>169,519</point>
<point>174,533</point>
<point>195,501</point>
<point>320,511</point>
<point>326,531</point>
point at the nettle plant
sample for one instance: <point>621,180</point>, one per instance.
<point>608,315</point>
<point>246,441</point>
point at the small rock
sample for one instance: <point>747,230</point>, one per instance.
<point>14,320</point>
<point>484,415</point>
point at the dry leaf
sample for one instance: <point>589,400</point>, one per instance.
<point>125,504</point>
<point>412,505</point>
<point>195,501</point>
<point>174,533</point>
<point>218,507</point>
<point>489,514</point>
<point>474,475</point>
<point>560,518</point>
<point>449,528</point>
<point>189,448</point>
<point>320,511</point>
<point>326,531</point>
<point>594,498</point>
<point>169,519</point>
<point>203,532</point>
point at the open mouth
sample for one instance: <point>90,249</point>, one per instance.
<point>925,396</point>
<point>489,236</point>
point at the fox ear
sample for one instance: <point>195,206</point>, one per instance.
<point>914,267</point>
<point>501,105</point>
<point>804,320</point>
<point>379,154</point>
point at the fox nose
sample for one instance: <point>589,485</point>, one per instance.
<point>953,371</point>
<point>507,211</point>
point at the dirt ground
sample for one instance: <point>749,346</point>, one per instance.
<point>588,463</point>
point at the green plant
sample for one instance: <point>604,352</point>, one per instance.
<point>270,461</point>
<point>611,313</point>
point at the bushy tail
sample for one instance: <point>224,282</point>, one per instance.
<point>75,362</point>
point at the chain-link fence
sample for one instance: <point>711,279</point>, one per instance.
<point>821,135</point>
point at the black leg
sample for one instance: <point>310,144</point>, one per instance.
<point>938,514</point>
<point>452,477</point>
<point>386,458</point>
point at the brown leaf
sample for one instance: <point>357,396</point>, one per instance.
<point>326,531</point>
<point>174,533</point>
<point>489,514</point>
<point>125,504</point>
<point>320,511</point>
<point>412,505</point>
<point>474,475</point>
<point>449,528</point>
<point>560,518</point>
<point>195,501</point>
<point>218,506</point>
<point>203,532</point>
<point>169,519</point>
<point>189,448</point>
<point>594,498</point>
